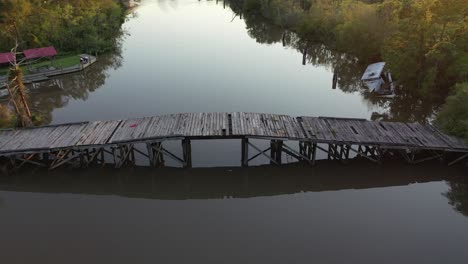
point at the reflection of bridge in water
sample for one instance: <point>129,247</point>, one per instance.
<point>121,141</point>
<point>217,183</point>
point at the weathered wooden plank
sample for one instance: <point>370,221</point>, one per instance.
<point>393,138</point>
<point>6,136</point>
<point>326,131</point>
<point>20,137</point>
<point>68,139</point>
<point>339,133</point>
<point>308,124</point>
<point>322,129</point>
<point>400,132</point>
<point>37,138</point>
<point>268,128</point>
<point>131,129</point>
<point>433,141</point>
<point>348,134</point>
<point>97,133</point>
<point>453,142</point>
<point>371,133</point>
<point>234,123</point>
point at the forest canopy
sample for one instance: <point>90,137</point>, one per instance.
<point>69,25</point>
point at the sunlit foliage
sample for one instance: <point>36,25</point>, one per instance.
<point>6,117</point>
<point>69,25</point>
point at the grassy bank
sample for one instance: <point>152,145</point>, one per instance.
<point>58,62</point>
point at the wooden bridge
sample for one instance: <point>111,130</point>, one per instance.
<point>120,141</point>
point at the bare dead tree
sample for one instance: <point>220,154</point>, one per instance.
<point>15,86</point>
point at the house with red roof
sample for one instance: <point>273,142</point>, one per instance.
<point>6,58</point>
<point>47,52</point>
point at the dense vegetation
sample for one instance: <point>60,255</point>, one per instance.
<point>72,26</point>
<point>424,42</point>
<point>69,25</point>
<point>454,115</point>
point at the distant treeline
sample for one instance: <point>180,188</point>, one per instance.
<point>69,25</point>
<point>424,42</point>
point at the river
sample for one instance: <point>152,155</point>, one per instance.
<point>198,56</point>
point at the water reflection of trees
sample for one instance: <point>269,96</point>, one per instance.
<point>45,97</point>
<point>458,196</point>
<point>405,107</point>
<point>347,69</point>
<point>263,31</point>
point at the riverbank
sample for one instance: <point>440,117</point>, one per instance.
<point>59,62</point>
<point>45,70</point>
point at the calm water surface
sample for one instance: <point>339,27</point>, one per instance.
<point>191,56</point>
<point>290,214</point>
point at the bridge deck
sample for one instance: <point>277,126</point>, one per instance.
<point>228,125</point>
<point>388,134</point>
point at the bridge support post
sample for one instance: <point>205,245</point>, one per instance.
<point>245,152</point>
<point>155,154</point>
<point>150,150</point>
<point>159,154</point>
<point>333,153</point>
<point>276,150</point>
<point>62,157</point>
<point>279,151</point>
<point>187,152</point>
<point>302,148</point>
<point>126,155</point>
<point>344,153</point>
<point>313,152</point>
<point>306,151</point>
<point>309,150</point>
<point>132,154</point>
<point>45,158</point>
<point>103,160</point>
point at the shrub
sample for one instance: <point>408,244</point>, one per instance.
<point>453,118</point>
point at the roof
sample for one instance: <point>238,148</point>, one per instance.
<point>6,57</point>
<point>40,53</point>
<point>373,71</point>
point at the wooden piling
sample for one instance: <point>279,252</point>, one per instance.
<point>245,152</point>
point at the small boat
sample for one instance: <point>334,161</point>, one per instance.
<point>378,80</point>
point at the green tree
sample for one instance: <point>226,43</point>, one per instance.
<point>453,118</point>
<point>70,25</point>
